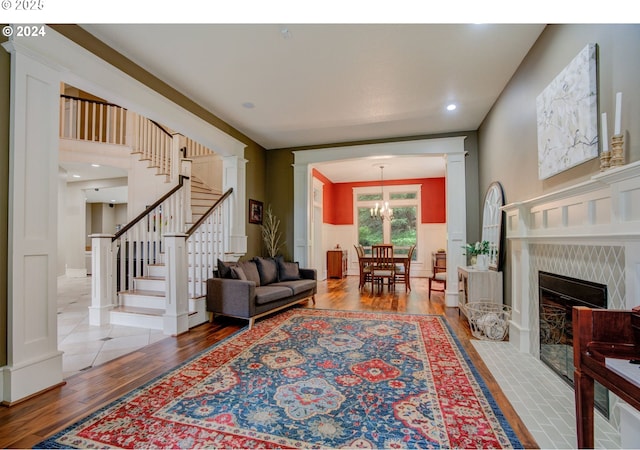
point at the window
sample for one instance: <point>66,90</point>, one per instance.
<point>402,231</point>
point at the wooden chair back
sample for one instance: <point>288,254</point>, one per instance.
<point>382,256</point>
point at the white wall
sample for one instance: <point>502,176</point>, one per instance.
<point>145,187</point>
<point>62,186</point>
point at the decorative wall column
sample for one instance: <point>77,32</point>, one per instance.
<point>234,176</point>
<point>176,315</point>
<point>33,360</point>
<point>102,281</point>
<point>301,214</point>
<point>456,223</point>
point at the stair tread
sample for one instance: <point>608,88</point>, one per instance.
<point>143,292</point>
<point>137,310</point>
<point>149,277</point>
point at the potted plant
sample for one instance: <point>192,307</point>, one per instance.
<point>478,254</point>
<point>270,234</point>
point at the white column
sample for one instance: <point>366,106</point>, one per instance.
<point>301,214</point>
<point>33,360</point>
<point>102,282</point>
<point>456,223</point>
<point>176,315</point>
<point>520,323</point>
<point>235,208</point>
<point>516,226</point>
<point>74,222</point>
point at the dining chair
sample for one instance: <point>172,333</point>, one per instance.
<point>439,268</point>
<point>382,266</point>
<point>364,267</point>
<point>403,271</point>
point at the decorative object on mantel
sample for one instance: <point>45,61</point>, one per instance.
<point>567,116</point>
<point>615,156</point>
<point>605,154</point>
<point>617,151</point>
<point>617,140</point>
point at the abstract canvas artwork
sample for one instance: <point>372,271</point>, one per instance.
<point>567,116</point>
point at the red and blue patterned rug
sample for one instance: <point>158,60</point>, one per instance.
<point>310,379</point>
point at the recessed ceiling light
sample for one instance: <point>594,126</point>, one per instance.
<point>451,107</point>
<point>248,105</point>
<point>75,175</point>
<point>113,201</point>
<point>286,33</point>
<point>95,165</point>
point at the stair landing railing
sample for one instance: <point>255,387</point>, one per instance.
<point>205,242</point>
<point>140,243</point>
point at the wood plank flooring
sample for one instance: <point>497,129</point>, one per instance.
<point>25,424</point>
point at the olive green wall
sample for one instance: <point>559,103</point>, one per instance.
<point>280,195</point>
<point>280,182</point>
<point>508,136</point>
<point>5,95</point>
<point>256,190</point>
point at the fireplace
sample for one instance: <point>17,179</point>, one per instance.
<point>558,295</point>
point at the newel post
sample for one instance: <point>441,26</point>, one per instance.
<point>102,282</point>
<point>176,315</point>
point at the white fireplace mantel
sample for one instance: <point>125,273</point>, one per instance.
<point>602,212</point>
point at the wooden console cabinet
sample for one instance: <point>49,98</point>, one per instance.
<point>337,263</point>
<point>478,285</point>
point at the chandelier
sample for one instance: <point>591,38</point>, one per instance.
<point>382,210</point>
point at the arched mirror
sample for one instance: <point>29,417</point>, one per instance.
<point>492,223</point>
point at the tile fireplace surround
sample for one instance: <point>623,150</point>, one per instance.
<point>589,231</point>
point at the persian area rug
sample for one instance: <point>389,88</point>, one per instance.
<point>310,379</point>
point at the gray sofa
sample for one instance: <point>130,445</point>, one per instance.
<point>255,288</point>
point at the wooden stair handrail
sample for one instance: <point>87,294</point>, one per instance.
<point>149,209</point>
<point>195,226</point>
<point>98,102</point>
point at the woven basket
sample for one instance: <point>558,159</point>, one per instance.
<point>488,320</point>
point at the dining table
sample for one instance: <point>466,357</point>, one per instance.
<point>397,259</point>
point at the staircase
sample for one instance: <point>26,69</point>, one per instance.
<point>143,306</point>
<point>133,260</point>
<point>202,197</point>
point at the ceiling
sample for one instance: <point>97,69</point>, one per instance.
<point>312,84</point>
<point>89,176</point>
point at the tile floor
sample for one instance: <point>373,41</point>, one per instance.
<point>84,345</point>
<point>545,408</point>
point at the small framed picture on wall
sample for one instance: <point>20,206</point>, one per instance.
<point>255,211</point>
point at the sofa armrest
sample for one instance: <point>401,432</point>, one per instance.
<point>309,274</point>
<point>231,297</point>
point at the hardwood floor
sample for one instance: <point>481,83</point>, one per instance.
<point>25,424</point>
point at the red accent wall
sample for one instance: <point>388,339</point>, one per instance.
<point>338,198</point>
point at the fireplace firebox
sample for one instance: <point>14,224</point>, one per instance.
<point>558,295</point>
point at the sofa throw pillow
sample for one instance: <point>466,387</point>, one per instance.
<point>238,273</point>
<point>288,271</point>
<point>224,268</point>
<point>251,271</point>
<point>268,270</point>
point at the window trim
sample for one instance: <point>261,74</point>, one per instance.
<point>386,226</point>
